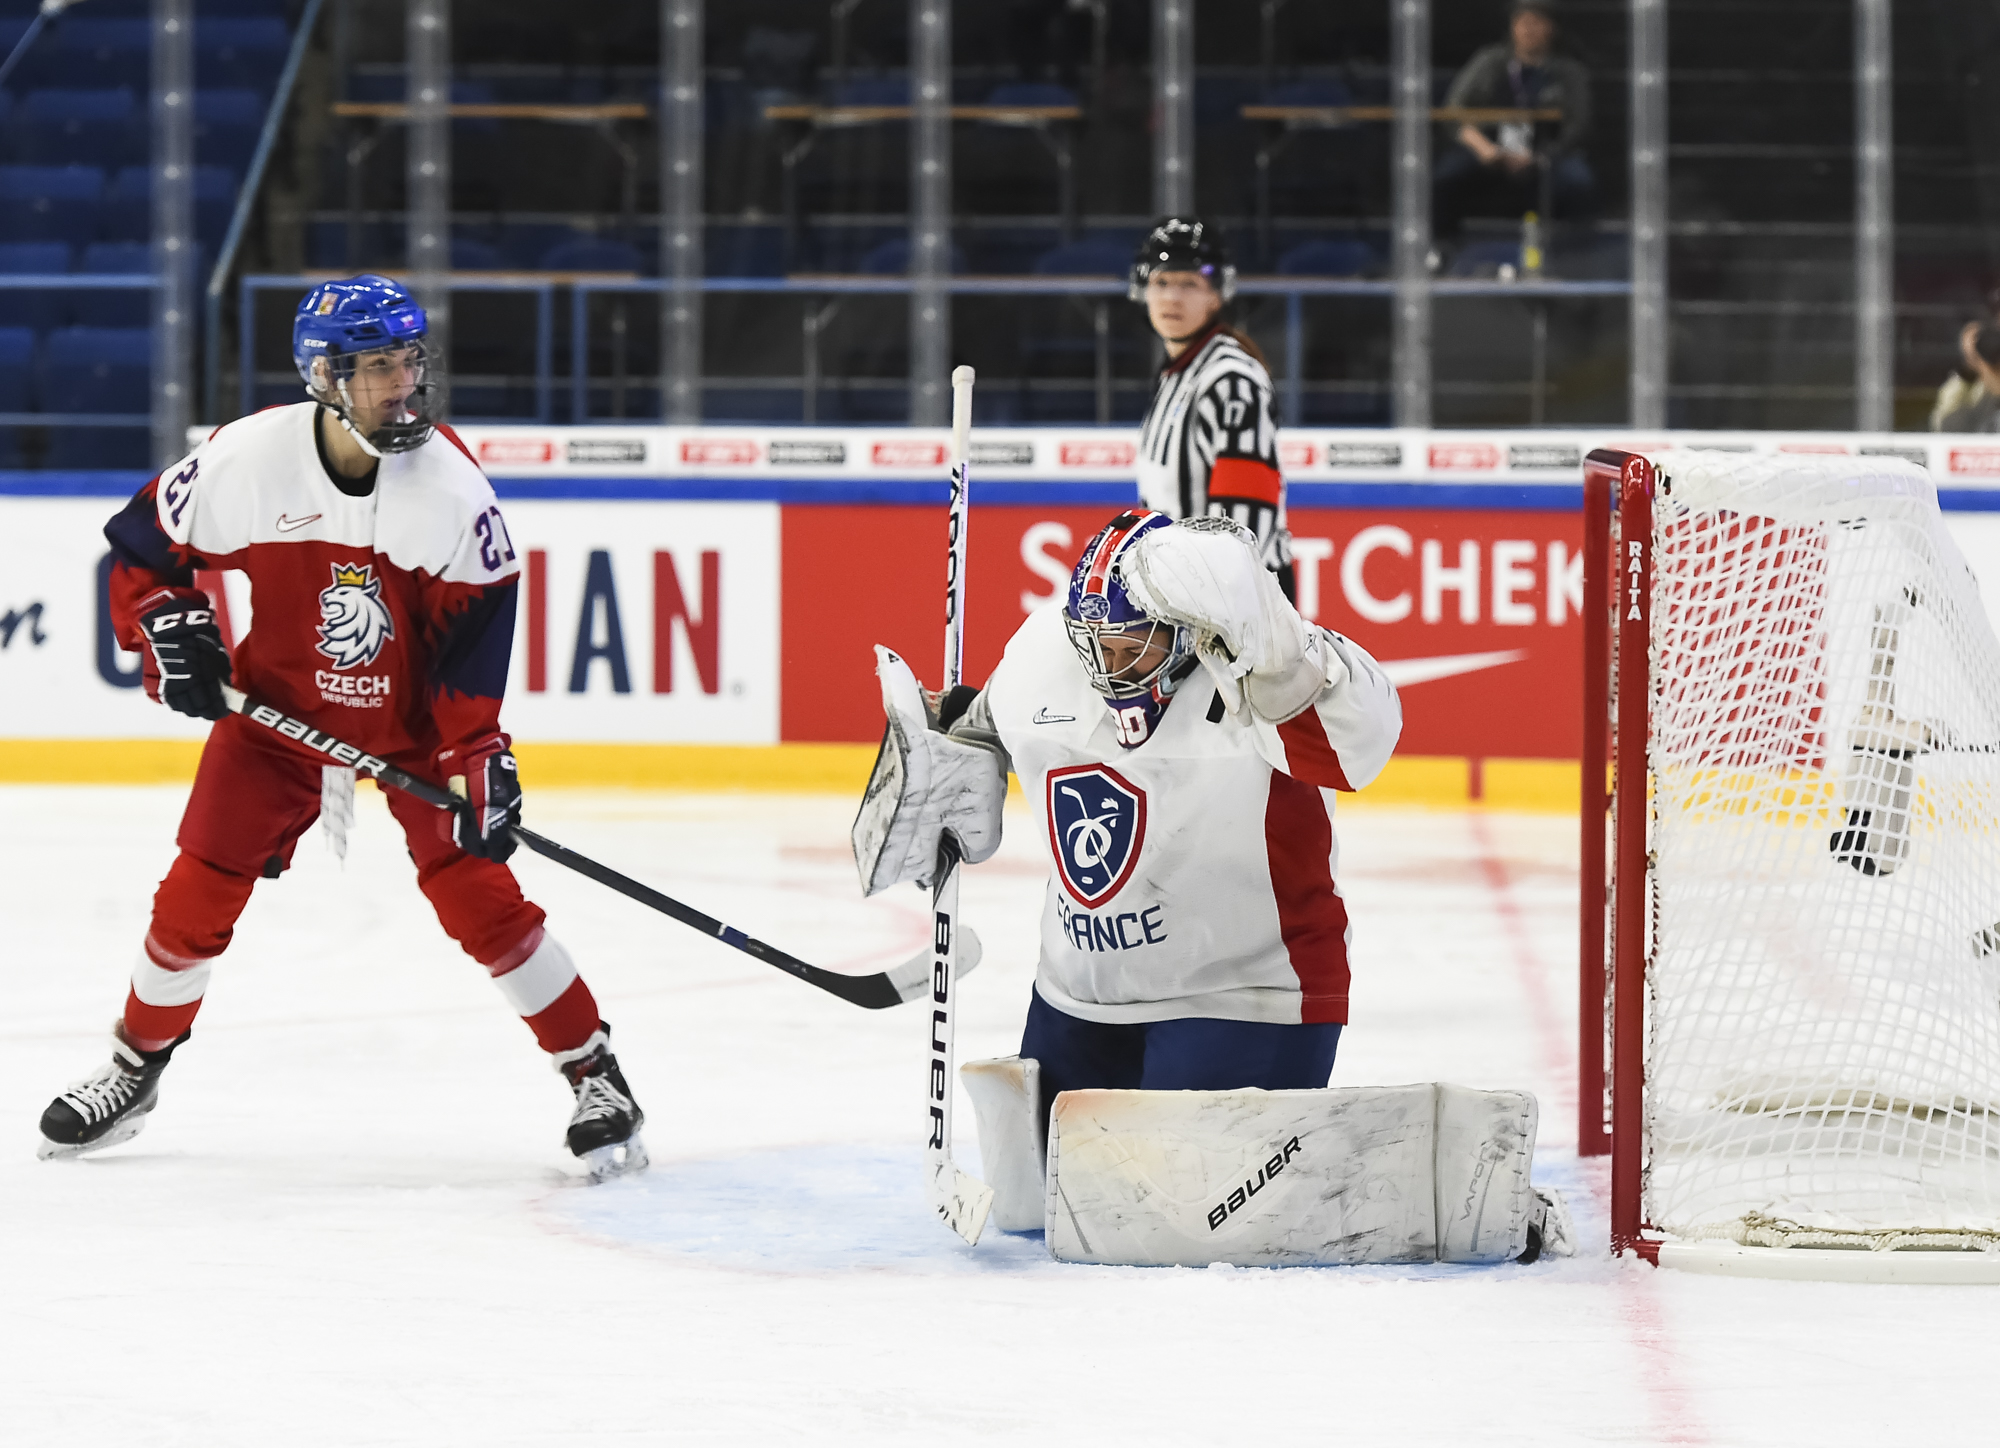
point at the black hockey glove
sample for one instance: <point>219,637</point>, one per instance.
<point>189,663</point>
<point>484,777</point>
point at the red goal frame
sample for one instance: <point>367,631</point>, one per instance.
<point>1615,814</point>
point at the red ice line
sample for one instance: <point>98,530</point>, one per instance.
<point>1672,1404</point>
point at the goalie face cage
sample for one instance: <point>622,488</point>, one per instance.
<point>1790,1028</point>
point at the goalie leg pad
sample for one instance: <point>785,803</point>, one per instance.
<point>924,785</point>
<point>1485,1146</point>
<point>1253,1178</point>
<point>1006,1097</point>
<point>1292,1178</point>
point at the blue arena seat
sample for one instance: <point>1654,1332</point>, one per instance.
<point>51,203</point>
<point>98,448</point>
<point>40,310</point>
<point>226,126</point>
<point>128,204</point>
<point>1092,257</point>
<point>592,254</point>
<point>1340,256</point>
<point>17,368</point>
<point>120,308</point>
<point>97,369</point>
<point>17,375</point>
<point>78,127</point>
<point>94,50</point>
<point>243,51</point>
<point>468,254</point>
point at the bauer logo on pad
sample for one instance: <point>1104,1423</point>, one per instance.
<point>1097,826</point>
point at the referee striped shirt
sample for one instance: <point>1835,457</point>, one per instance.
<point>1209,444</point>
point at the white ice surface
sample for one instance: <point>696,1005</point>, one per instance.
<point>351,1220</point>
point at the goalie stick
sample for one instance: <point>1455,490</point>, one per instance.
<point>908,981</point>
<point>960,1200</point>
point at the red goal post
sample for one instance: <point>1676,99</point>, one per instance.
<point>1617,500</point>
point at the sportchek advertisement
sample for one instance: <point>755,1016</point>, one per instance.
<point>711,586</point>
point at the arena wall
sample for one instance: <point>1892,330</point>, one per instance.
<point>694,598</point>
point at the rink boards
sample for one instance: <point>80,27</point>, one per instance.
<point>692,597</point>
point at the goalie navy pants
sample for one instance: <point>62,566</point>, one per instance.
<point>253,796</point>
<point>1194,1053</point>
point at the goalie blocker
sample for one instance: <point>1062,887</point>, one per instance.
<point>1381,1174</point>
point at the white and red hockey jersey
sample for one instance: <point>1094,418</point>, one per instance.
<point>385,619</point>
<point>1195,874</point>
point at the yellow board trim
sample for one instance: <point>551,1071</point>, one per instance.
<point>1425,781</point>
<point>98,761</point>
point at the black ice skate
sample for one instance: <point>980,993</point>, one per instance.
<point>108,1107</point>
<point>604,1131</point>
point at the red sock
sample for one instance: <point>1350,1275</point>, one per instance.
<point>568,1021</point>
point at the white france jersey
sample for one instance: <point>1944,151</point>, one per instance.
<point>1193,875</point>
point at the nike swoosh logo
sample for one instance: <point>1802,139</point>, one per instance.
<point>1405,672</point>
<point>287,524</point>
<point>1043,716</point>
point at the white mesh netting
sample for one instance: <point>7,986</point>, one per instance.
<point>1824,1021</point>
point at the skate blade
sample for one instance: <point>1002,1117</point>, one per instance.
<point>63,1151</point>
<point>622,1158</point>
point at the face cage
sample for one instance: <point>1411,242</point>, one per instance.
<point>1087,639</point>
<point>418,422</point>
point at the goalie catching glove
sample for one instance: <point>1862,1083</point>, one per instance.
<point>488,783</point>
<point>186,661</point>
<point>1205,573</point>
<point>925,785</point>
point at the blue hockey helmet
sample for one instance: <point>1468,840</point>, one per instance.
<point>1099,609</point>
<point>342,321</point>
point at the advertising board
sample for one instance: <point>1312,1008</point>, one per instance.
<point>723,587</point>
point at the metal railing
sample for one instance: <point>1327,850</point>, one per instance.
<point>1101,290</point>
<point>543,289</point>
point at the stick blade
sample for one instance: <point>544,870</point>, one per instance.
<point>961,1201</point>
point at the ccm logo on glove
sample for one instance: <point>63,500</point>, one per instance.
<point>187,662</point>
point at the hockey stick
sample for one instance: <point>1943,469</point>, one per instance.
<point>911,979</point>
<point>960,1200</point>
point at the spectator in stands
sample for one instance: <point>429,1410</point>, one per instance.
<point>1507,167</point>
<point>1969,401</point>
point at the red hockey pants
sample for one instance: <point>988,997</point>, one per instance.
<point>253,797</point>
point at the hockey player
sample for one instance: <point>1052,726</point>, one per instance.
<point>384,584</point>
<point>1192,934</point>
<point>1209,444</point>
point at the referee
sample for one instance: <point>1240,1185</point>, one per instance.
<point>1210,440</point>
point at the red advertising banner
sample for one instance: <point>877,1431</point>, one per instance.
<point>1475,612</point>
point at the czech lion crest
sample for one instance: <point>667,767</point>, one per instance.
<point>354,622</point>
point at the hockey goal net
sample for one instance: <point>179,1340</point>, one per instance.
<point>1794,684</point>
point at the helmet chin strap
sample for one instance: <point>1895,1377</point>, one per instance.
<point>360,438</point>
